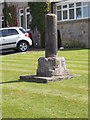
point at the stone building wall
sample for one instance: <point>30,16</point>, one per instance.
<point>74,32</point>
<point>20,5</point>
<point>34,34</point>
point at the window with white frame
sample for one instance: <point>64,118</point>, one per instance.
<point>71,11</point>
<point>2,20</point>
<point>78,10</point>
<point>85,9</point>
<point>21,17</point>
<point>64,12</point>
<point>27,18</point>
<point>59,13</point>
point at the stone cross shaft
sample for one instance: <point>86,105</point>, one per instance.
<point>50,35</point>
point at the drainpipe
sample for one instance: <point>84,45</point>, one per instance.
<point>52,3</point>
<point>5,19</point>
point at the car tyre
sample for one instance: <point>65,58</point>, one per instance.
<point>23,46</point>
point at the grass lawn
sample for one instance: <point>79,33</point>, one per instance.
<point>62,99</point>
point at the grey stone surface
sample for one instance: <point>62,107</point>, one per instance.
<point>50,35</point>
<point>51,66</point>
<point>74,31</point>
<point>37,79</point>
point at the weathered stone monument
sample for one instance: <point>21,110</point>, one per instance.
<point>51,67</point>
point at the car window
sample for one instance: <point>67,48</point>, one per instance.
<point>4,33</point>
<point>0,33</point>
<point>22,30</point>
<point>12,32</point>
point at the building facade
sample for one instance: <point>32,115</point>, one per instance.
<point>23,19</point>
<point>23,15</point>
<point>73,19</point>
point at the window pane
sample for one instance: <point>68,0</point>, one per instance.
<point>0,33</point>
<point>22,30</point>
<point>2,24</point>
<point>65,14</point>
<point>4,33</point>
<point>2,18</point>
<point>58,7</point>
<point>28,20</point>
<point>2,21</point>
<point>71,14</point>
<point>12,32</point>
<point>64,6</point>
<point>78,13</point>
<point>21,21</point>
<point>28,10</point>
<point>85,11</point>
<point>59,15</point>
<point>71,5</point>
<point>85,3</point>
<point>78,4</point>
<point>21,11</point>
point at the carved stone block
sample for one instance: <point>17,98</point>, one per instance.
<point>51,66</point>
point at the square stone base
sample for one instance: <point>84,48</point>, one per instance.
<point>35,78</point>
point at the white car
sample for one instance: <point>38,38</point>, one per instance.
<point>16,38</point>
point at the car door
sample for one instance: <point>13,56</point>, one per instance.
<point>2,37</point>
<point>9,38</point>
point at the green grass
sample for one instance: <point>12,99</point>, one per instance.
<point>62,99</point>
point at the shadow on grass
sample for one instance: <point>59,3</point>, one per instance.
<point>16,81</point>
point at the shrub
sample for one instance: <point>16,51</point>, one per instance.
<point>38,11</point>
<point>74,44</point>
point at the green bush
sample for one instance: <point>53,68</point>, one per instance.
<point>74,44</point>
<point>38,11</point>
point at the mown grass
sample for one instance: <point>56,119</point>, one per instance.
<point>62,99</point>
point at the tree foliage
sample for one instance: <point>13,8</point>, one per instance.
<point>38,11</point>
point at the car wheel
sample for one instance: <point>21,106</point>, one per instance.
<point>23,46</point>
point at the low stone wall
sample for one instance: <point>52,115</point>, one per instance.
<point>74,33</point>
